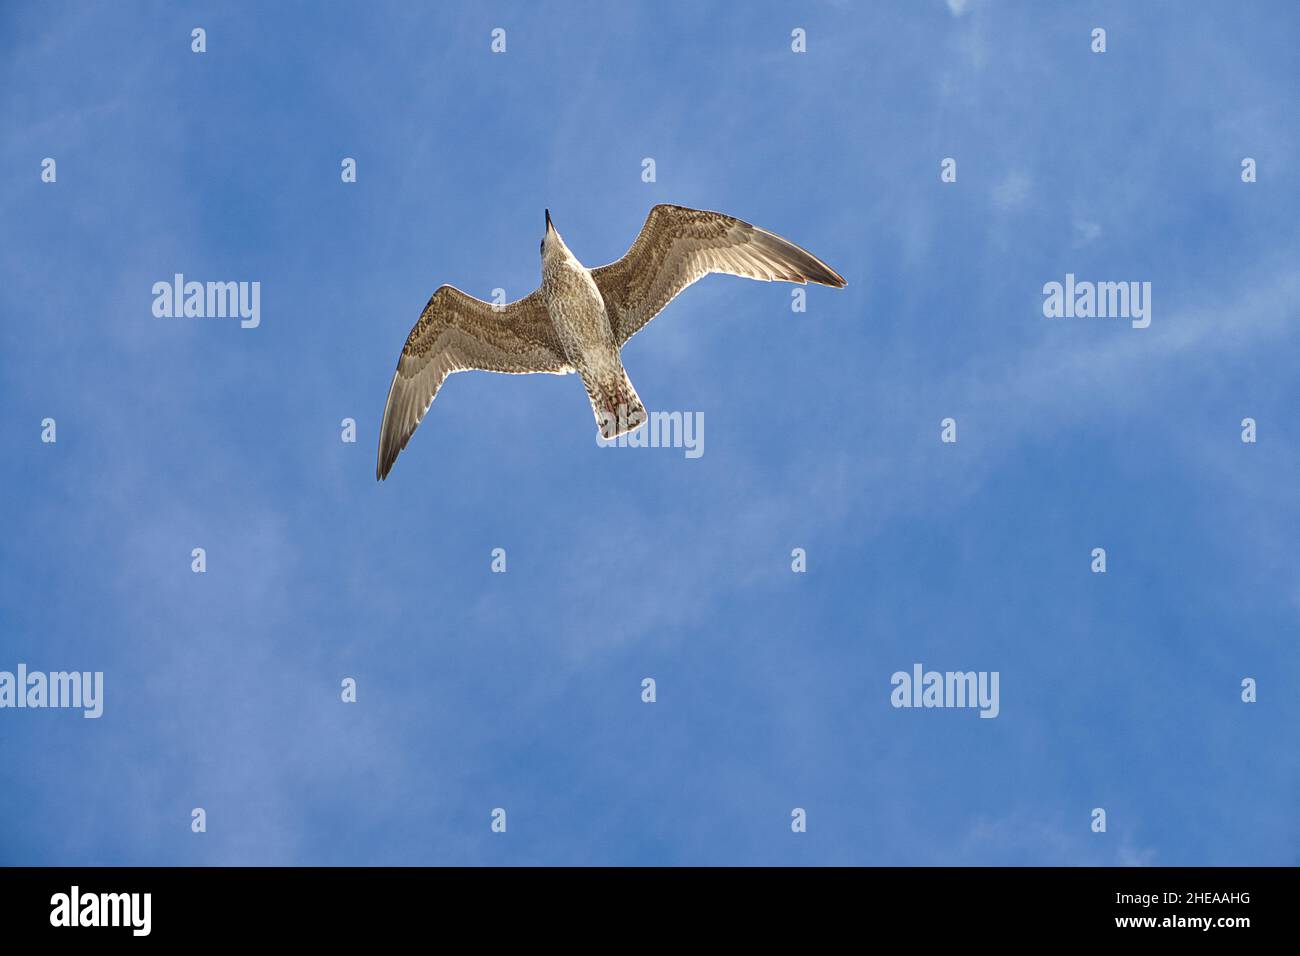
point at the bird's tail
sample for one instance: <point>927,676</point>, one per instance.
<point>617,406</point>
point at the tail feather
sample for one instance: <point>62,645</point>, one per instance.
<point>617,406</point>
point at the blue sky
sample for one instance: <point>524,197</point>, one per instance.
<point>522,690</point>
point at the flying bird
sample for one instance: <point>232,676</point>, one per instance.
<point>580,318</point>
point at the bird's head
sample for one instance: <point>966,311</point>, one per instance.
<point>553,246</point>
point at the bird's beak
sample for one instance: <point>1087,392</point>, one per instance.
<point>548,220</point>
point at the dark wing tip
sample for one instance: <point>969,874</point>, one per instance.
<point>823,274</point>
<point>808,266</point>
<point>391,444</point>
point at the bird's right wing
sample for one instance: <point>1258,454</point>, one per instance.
<point>457,332</point>
<point>677,246</point>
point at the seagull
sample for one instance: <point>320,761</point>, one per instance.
<point>579,318</point>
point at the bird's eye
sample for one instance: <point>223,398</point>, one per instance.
<point>541,246</point>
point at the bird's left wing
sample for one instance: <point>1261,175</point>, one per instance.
<point>457,332</point>
<point>678,245</point>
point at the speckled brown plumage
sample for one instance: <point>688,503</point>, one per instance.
<point>677,246</point>
<point>579,318</point>
<point>457,332</point>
